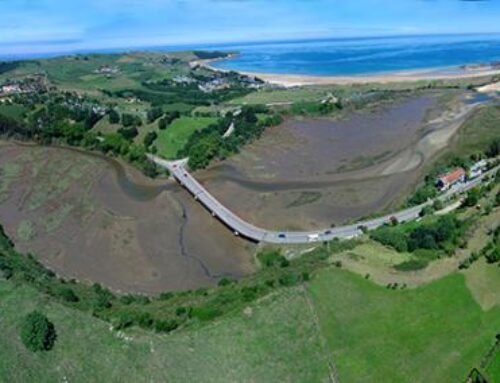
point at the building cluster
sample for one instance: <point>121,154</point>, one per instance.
<point>74,102</point>
<point>107,70</point>
<point>221,81</point>
<point>27,85</point>
<point>216,81</point>
<point>460,175</point>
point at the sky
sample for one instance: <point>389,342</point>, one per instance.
<point>44,26</point>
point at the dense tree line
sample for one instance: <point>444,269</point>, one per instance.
<point>7,66</point>
<point>210,55</point>
<point>442,234</point>
<point>46,127</point>
<point>209,144</point>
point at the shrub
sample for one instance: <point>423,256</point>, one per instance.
<point>411,265</point>
<point>472,198</point>
<point>284,262</point>
<point>128,133</point>
<point>166,296</point>
<point>150,138</point>
<point>124,320</point>
<point>391,237</point>
<point>37,332</point>
<point>225,282</point>
<point>114,117</point>
<point>166,325</point>
<point>102,302</point>
<point>438,205</point>
<point>427,210</point>
<point>494,255</point>
<point>270,258</point>
<point>204,313</point>
<point>288,280</point>
<point>145,320</point>
<point>68,294</point>
<point>179,311</point>
<point>249,293</point>
<point>129,120</point>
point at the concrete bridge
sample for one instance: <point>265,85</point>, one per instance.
<point>178,169</point>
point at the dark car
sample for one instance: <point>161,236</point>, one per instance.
<point>282,235</point>
<point>328,232</point>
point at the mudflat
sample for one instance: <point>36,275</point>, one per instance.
<point>92,218</point>
<point>313,173</point>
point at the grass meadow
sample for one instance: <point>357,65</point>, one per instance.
<point>274,340</point>
<point>177,134</point>
<point>338,324</point>
<point>435,333</point>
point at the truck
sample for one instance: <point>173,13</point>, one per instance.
<point>313,237</point>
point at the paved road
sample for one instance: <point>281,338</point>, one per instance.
<point>254,233</point>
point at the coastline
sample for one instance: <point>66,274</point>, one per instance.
<point>295,80</point>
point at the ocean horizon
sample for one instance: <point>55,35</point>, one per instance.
<point>343,56</point>
<point>361,56</point>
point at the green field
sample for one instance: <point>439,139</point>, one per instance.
<point>338,325</point>
<point>274,340</point>
<point>13,111</point>
<point>478,131</point>
<point>172,139</point>
<point>493,371</point>
<point>436,333</point>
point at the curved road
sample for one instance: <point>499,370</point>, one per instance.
<point>245,229</point>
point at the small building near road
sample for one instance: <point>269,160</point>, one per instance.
<point>447,180</point>
<point>477,169</point>
<point>10,89</point>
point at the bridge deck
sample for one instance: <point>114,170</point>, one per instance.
<point>247,230</point>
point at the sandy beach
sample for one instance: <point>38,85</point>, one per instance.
<point>495,87</point>
<point>291,80</point>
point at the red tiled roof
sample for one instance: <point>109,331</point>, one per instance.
<point>453,176</point>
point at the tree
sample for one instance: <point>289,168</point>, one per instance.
<point>472,198</point>
<point>427,210</point>
<point>114,117</point>
<point>438,205</point>
<point>68,294</point>
<point>162,123</point>
<point>154,113</point>
<point>166,325</point>
<point>128,133</point>
<point>494,148</point>
<point>150,138</point>
<point>494,255</point>
<point>37,332</point>
<point>129,120</point>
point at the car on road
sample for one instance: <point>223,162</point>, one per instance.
<point>328,232</point>
<point>282,235</point>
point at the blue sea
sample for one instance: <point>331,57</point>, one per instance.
<point>358,56</point>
